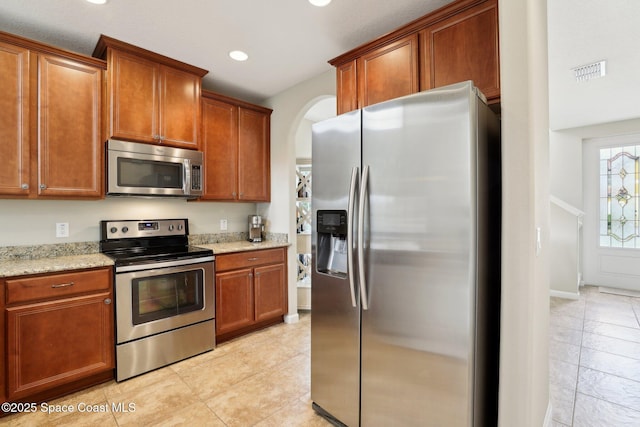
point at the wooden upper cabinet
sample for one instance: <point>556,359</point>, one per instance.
<point>180,107</point>
<point>236,146</point>
<point>134,98</point>
<point>152,98</point>
<point>347,86</point>
<point>51,121</point>
<point>388,72</point>
<point>254,160</point>
<point>455,43</point>
<point>220,147</point>
<point>463,47</point>
<point>14,120</point>
<point>69,137</point>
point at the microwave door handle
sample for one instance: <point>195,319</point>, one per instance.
<point>186,178</point>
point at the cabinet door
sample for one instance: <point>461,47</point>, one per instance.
<point>269,282</point>
<point>134,102</point>
<point>54,343</point>
<point>14,120</point>
<point>220,147</point>
<point>180,108</point>
<point>254,175</point>
<point>69,137</point>
<point>234,300</point>
<point>463,47</point>
<point>347,87</point>
<point>388,72</point>
<point>3,353</point>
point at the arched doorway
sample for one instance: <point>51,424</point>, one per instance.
<point>319,110</point>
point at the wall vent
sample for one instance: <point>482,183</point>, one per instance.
<point>587,72</point>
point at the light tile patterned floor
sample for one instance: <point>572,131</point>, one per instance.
<point>263,379</point>
<point>594,360</point>
<point>258,380</point>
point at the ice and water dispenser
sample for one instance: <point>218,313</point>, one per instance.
<point>332,242</point>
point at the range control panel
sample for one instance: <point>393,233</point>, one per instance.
<point>125,229</point>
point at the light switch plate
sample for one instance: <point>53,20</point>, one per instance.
<point>223,225</point>
<point>62,229</point>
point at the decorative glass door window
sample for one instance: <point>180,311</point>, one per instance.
<point>620,197</point>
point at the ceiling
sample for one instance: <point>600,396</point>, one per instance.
<point>288,41</point>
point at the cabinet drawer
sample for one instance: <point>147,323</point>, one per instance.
<point>249,259</point>
<point>51,286</point>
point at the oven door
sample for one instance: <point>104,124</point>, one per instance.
<point>160,299</point>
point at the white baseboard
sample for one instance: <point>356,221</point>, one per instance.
<point>616,291</point>
<point>291,318</point>
<point>565,295</point>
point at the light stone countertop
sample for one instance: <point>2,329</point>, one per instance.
<point>19,267</point>
<point>242,246</point>
<point>54,264</point>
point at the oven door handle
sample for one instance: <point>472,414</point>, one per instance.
<point>163,264</point>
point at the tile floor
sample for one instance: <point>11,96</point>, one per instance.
<point>263,379</point>
<point>594,360</point>
<point>258,380</point>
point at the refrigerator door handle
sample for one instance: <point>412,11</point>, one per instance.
<point>361,212</point>
<point>350,246</point>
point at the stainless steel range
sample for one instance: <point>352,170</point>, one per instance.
<point>164,293</point>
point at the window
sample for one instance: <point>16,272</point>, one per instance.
<point>619,197</point>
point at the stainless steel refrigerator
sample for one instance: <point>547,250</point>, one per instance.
<point>405,299</point>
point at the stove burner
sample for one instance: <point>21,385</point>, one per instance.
<point>133,242</point>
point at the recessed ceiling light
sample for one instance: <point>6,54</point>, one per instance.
<point>238,55</point>
<point>97,1</point>
<point>320,3</point>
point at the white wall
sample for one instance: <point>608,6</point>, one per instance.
<point>32,222</point>
<point>303,139</point>
<point>524,371</point>
<point>586,31</point>
<point>289,108</point>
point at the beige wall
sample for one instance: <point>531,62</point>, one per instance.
<point>524,383</point>
<point>289,108</point>
<point>32,222</point>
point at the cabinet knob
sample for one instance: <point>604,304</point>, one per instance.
<point>107,301</point>
<point>25,186</point>
<point>43,187</point>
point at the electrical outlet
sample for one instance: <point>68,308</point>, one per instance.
<point>62,229</point>
<point>223,225</point>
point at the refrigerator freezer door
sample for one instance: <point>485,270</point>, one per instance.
<point>335,322</point>
<point>417,333</point>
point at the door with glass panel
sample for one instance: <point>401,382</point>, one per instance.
<point>611,248</point>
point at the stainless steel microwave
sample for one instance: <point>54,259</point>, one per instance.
<point>135,169</point>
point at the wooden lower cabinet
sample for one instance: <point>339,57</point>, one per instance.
<point>59,333</point>
<point>251,291</point>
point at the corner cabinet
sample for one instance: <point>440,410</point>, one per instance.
<point>251,291</point>
<point>236,146</point>
<point>51,121</point>
<point>59,332</point>
<point>152,98</point>
<point>455,43</point>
